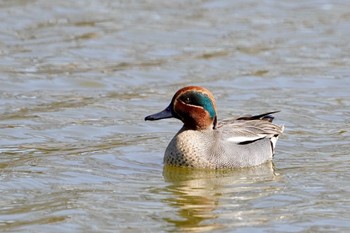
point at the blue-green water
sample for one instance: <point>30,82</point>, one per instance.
<point>78,77</point>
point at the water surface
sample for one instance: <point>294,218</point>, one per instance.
<point>77,79</point>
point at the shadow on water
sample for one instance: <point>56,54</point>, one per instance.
<point>197,194</point>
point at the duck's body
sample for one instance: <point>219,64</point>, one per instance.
<point>202,143</point>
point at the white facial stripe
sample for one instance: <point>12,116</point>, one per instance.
<point>195,106</point>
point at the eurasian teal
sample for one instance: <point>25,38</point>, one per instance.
<point>202,142</point>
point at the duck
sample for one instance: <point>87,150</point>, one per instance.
<point>203,142</point>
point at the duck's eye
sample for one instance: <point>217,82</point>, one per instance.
<point>195,98</point>
<point>191,99</point>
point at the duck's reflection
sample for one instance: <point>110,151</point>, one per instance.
<point>197,193</point>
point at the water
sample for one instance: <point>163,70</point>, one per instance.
<point>77,79</point>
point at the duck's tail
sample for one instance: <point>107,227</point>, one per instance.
<point>265,116</point>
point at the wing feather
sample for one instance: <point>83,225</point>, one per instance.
<point>247,129</point>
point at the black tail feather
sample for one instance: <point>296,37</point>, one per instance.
<point>265,116</point>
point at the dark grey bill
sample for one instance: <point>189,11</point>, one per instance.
<point>166,113</point>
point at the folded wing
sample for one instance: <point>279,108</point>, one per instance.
<point>248,129</point>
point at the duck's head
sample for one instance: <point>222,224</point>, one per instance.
<point>194,106</point>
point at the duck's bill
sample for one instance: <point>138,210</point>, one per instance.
<point>166,113</point>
